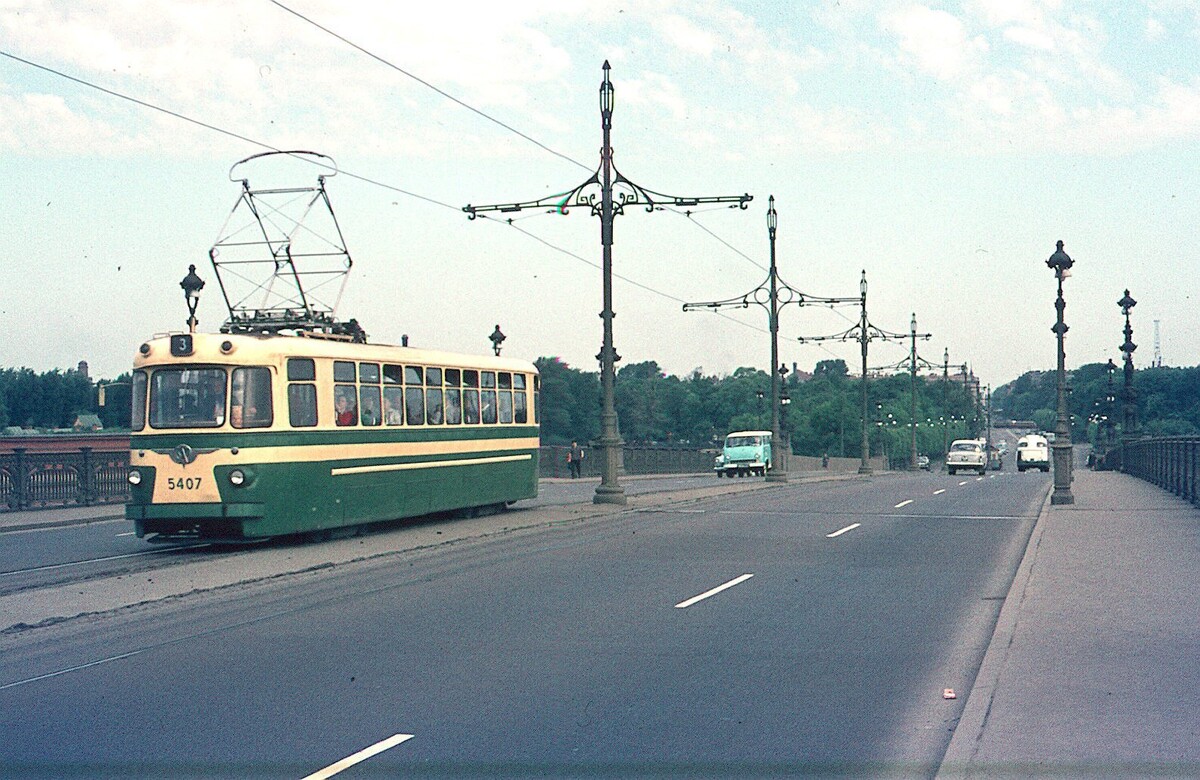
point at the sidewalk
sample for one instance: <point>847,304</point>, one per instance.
<point>1092,671</point>
<point>58,517</point>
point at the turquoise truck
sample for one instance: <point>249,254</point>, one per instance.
<point>746,453</point>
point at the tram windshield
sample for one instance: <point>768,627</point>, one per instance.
<point>187,397</point>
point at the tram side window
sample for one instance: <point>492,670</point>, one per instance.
<point>433,396</point>
<point>470,406</point>
<point>487,403</point>
<point>470,396</point>
<point>343,371</point>
<point>433,405</point>
<point>138,419</point>
<point>345,407</point>
<point>301,370</point>
<point>302,405</point>
<point>414,405</point>
<point>537,391</point>
<point>520,411</point>
<point>505,397</point>
<point>250,398</point>
<point>302,397</point>
<point>393,375</point>
<point>369,398</point>
<point>453,377</point>
<point>506,406</point>
<point>393,405</point>
<point>453,406</point>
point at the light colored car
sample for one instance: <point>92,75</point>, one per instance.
<point>746,453</point>
<point>966,454</point>
<point>1033,452</point>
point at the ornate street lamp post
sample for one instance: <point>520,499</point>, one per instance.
<point>1129,414</point>
<point>192,285</point>
<point>607,179</point>
<point>1110,398</point>
<point>1061,262</point>
<point>864,466</point>
<point>912,386</point>
<point>772,294</point>
<point>863,332</point>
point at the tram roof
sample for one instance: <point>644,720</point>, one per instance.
<point>252,348</point>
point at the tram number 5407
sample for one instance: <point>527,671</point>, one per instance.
<point>183,483</point>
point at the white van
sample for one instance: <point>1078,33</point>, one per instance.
<point>1033,452</point>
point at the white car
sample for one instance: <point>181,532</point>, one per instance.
<point>966,454</point>
<point>1033,452</point>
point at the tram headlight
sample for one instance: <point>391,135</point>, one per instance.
<point>135,477</point>
<point>237,477</point>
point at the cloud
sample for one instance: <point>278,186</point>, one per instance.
<point>936,41</point>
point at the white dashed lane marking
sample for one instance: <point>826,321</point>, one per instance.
<point>713,592</point>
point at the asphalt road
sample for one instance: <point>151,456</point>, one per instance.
<point>50,556</point>
<point>591,649</point>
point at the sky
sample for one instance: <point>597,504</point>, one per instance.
<point>942,148</point>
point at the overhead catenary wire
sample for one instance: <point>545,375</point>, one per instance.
<point>367,179</point>
<point>343,172</point>
<point>423,82</point>
<point>532,140</point>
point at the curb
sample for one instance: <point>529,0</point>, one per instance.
<point>5,529</point>
<point>968,733</point>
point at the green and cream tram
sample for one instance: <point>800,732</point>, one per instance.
<point>250,436</point>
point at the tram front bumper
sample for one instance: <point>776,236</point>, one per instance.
<point>192,520</point>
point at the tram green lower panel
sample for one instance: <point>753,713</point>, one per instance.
<point>310,496</point>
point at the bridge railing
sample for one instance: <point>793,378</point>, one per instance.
<point>1171,462</point>
<point>31,479</point>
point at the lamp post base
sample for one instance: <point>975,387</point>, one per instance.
<point>1062,472</point>
<point>1062,497</point>
<point>609,495</point>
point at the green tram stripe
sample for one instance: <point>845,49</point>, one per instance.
<point>337,472</point>
<point>292,438</point>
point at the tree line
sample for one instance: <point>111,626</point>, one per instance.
<point>1168,399</point>
<point>697,410</point>
<point>54,399</point>
<point>823,416</point>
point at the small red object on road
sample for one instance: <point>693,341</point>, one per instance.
<point>948,693</point>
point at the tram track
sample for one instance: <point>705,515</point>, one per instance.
<point>28,578</point>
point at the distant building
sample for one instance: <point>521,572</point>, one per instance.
<point>798,376</point>
<point>82,368</point>
<point>88,422</point>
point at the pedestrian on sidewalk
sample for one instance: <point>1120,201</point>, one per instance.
<point>575,459</point>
